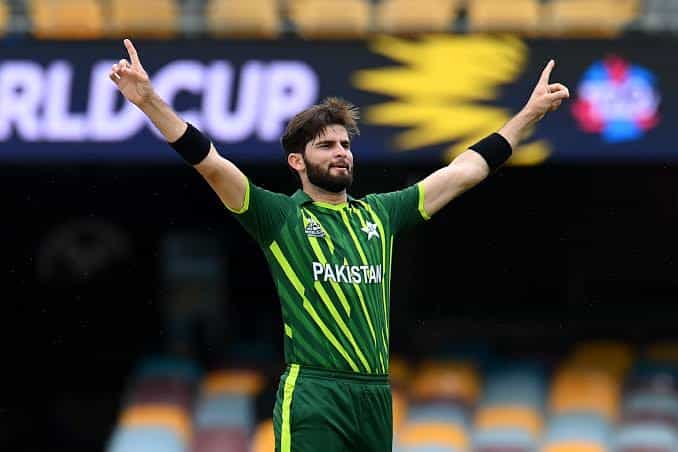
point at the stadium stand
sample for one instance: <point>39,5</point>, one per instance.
<point>600,397</point>
<point>646,437</point>
<point>400,374</point>
<point>411,16</point>
<point>600,17</point>
<point>492,15</point>
<point>264,437</point>
<point>330,18</point>
<point>421,436</point>
<point>255,18</point>
<point>157,18</point>
<point>4,18</point>
<point>67,19</point>
<point>661,15</point>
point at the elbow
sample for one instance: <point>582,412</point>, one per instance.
<point>209,168</point>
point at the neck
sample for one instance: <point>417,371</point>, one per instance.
<point>318,194</point>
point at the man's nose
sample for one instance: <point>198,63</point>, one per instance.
<point>339,150</point>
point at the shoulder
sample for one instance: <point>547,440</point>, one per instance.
<point>261,199</point>
<point>270,194</point>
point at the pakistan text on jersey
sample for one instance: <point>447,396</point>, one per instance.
<point>352,274</point>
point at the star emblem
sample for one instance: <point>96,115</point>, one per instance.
<point>371,230</point>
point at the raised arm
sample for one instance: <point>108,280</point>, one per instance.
<point>224,177</point>
<point>471,167</point>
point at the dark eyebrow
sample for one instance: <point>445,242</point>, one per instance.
<point>320,143</point>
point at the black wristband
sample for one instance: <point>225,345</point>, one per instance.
<point>192,146</point>
<point>495,149</point>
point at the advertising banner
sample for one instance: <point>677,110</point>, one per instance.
<point>422,99</point>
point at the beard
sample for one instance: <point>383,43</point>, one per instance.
<point>324,179</point>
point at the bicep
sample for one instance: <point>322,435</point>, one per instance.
<point>445,184</point>
<point>226,179</point>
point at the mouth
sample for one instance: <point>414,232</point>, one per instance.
<point>343,166</point>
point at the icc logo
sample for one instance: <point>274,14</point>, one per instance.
<point>617,100</point>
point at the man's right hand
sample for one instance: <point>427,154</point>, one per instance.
<point>131,79</point>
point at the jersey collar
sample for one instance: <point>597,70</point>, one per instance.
<point>300,197</point>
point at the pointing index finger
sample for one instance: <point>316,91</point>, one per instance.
<point>132,52</point>
<point>546,74</point>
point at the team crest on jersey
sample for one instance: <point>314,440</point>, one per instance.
<point>371,230</point>
<point>313,229</point>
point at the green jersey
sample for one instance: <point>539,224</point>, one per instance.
<point>332,269</point>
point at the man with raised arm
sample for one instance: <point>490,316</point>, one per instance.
<point>330,254</point>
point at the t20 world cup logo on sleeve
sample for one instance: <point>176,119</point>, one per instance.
<point>617,100</point>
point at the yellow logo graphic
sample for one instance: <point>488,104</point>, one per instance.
<point>443,91</point>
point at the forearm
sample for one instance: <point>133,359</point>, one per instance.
<point>163,117</point>
<point>518,126</point>
<point>445,184</point>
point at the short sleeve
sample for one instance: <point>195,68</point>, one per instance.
<point>405,208</point>
<point>263,213</point>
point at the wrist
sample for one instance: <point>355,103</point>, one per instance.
<point>529,115</point>
<point>149,101</point>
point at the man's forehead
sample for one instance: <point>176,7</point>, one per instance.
<point>334,132</point>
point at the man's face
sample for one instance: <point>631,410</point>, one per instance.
<point>329,160</point>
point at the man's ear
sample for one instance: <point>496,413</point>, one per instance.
<point>296,161</point>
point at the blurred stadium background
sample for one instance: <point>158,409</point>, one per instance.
<point>537,313</point>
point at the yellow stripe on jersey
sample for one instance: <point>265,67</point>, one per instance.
<point>296,283</point>
<point>342,326</point>
<point>321,257</point>
<point>420,205</point>
<point>246,201</point>
<point>288,393</point>
<point>355,239</point>
<point>382,237</point>
<point>364,306</point>
<point>360,216</point>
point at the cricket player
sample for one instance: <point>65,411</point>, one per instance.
<point>330,254</point>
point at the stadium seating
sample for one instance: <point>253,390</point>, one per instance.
<point>93,19</point>
<point>156,19</point>
<point>456,382</point>
<point>519,384</point>
<point>142,439</point>
<point>159,366</point>
<point>503,440</point>
<point>407,16</point>
<point>659,15</point>
<point>157,390</point>
<point>639,407</point>
<point>581,390</point>
<point>253,18</point>
<point>4,17</point>
<point>598,398</point>
<point>264,437</point>
<point>330,18</point>
<point>646,437</point>
<point>509,418</point>
<point>665,352</point>
<point>494,15</point>
<point>67,19</point>
<point>611,357</point>
<point>422,436</point>
<point>169,417</point>
<point>238,381</point>
<point>220,440</point>
<point>600,17</point>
